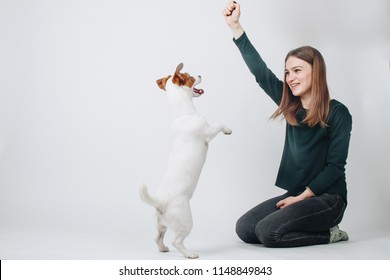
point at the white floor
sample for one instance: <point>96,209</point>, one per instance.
<point>127,245</point>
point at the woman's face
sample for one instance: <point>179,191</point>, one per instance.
<point>298,77</point>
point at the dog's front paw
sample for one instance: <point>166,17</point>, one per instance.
<point>227,131</point>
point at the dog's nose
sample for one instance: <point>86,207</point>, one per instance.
<point>200,77</point>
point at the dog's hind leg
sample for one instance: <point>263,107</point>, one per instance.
<point>182,229</point>
<point>178,243</point>
<point>161,230</point>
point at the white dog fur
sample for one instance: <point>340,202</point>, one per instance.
<point>190,136</point>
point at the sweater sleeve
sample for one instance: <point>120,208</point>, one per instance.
<point>340,126</point>
<point>266,79</point>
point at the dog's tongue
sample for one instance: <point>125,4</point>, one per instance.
<point>198,91</point>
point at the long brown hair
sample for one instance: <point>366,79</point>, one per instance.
<point>290,105</point>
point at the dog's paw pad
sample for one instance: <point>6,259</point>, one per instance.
<point>227,131</point>
<point>192,256</point>
<point>164,249</point>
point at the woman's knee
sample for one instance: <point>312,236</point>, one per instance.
<point>245,231</point>
<point>267,236</point>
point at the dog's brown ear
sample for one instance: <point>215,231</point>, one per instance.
<point>162,82</point>
<point>179,68</point>
<point>177,79</point>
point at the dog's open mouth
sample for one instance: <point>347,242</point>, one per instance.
<point>198,90</point>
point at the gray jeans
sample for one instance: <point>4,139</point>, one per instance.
<point>303,223</point>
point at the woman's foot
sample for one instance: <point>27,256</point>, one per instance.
<point>337,235</point>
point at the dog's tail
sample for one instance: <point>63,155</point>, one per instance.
<point>145,196</point>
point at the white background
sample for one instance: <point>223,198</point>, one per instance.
<point>83,124</point>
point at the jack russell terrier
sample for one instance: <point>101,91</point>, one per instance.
<point>190,136</point>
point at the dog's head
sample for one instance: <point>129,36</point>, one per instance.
<point>183,80</point>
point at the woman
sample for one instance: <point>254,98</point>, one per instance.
<point>312,169</point>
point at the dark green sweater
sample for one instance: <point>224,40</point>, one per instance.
<point>313,157</point>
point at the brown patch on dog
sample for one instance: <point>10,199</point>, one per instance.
<point>182,79</point>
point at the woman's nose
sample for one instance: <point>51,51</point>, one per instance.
<point>290,77</point>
